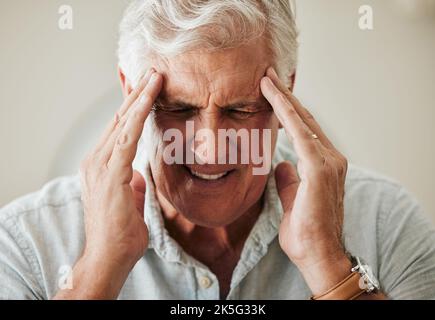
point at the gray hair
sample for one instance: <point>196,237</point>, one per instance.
<point>171,27</point>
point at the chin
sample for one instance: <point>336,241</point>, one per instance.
<point>204,214</point>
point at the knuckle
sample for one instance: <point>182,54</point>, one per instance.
<point>324,161</point>
<point>123,140</point>
<point>310,145</point>
<point>307,114</point>
<point>279,98</point>
<point>308,134</point>
<point>345,161</point>
<point>145,99</point>
<point>136,92</point>
<point>292,112</point>
<point>342,165</point>
<point>116,118</point>
<point>122,119</point>
<point>116,121</point>
<point>345,164</point>
<point>123,172</point>
<point>137,114</point>
<point>308,140</point>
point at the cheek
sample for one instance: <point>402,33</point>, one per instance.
<point>250,191</point>
<point>260,120</point>
<point>156,147</point>
<point>163,121</point>
<point>256,187</point>
<point>167,177</point>
<point>159,125</point>
<point>268,125</point>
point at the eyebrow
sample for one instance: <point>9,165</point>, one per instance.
<point>258,103</point>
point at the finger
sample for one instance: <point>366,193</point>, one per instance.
<point>139,188</point>
<point>107,150</point>
<point>305,115</point>
<point>132,97</point>
<point>287,183</point>
<point>305,145</point>
<point>309,119</point>
<point>125,147</point>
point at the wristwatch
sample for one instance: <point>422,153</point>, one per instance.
<point>361,280</point>
<point>368,280</point>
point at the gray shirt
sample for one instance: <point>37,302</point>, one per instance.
<point>42,236</point>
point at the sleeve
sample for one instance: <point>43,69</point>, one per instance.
<point>18,279</point>
<point>406,247</point>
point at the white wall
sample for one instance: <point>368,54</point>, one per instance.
<point>373,91</point>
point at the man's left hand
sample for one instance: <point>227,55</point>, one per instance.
<point>311,195</point>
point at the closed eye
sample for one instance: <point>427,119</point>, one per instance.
<point>176,110</point>
<point>242,113</point>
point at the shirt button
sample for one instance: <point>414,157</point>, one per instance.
<point>205,282</point>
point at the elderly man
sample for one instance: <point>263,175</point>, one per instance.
<point>212,229</point>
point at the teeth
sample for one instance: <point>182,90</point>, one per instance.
<point>208,176</point>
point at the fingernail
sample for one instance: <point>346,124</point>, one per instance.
<point>272,70</point>
<point>154,77</point>
<point>147,74</point>
<point>268,81</point>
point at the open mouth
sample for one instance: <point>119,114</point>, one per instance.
<point>209,181</point>
<point>209,177</point>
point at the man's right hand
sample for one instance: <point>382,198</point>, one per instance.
<point>113,197</point>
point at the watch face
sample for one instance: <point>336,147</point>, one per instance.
<point>368,275</point>
<point>371,277</point>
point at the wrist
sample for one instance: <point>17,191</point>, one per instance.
<point>325,273</point>
<point>96,278</point>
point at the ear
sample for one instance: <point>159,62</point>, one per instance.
<point>126,86</point>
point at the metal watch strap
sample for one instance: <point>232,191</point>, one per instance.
<point>347,289</point>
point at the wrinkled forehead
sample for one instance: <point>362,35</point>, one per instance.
<point>220,77</point>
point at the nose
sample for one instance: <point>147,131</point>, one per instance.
<point>205,144</point>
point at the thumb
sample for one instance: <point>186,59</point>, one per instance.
<point>138,187</point>
<point>287,183</point>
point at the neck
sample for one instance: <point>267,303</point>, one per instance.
<point>209,244</point>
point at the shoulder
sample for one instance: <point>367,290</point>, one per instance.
<point>371,198</point>
<point>365,187</point>
<point>50,219</point>
<point>52,214</point>
<point>55,194</point>
<point>39,233</point>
